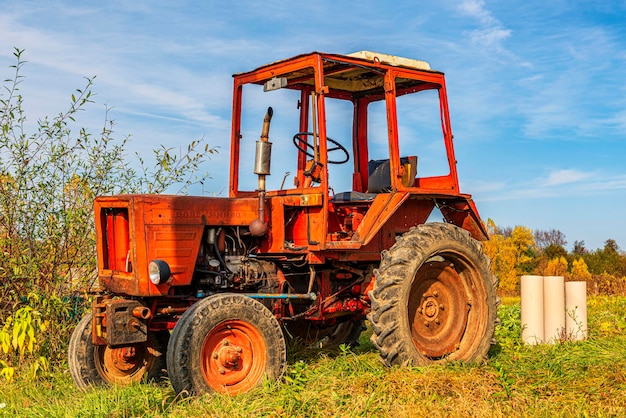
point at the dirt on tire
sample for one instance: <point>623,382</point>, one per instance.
<point>434,299</point>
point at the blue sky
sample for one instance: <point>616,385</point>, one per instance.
<point>537,89</point>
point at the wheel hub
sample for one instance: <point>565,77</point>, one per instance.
<point>124,359</point>
<point>430,308</point>
<point>227,355</point>
<point>234,356</point>
<point>438,310</point>
<point>121,362</point>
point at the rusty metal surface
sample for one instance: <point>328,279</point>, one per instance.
<point>233,357</point>
<point>438,310</point>
<point>462,212</point>
<point>115,323</point>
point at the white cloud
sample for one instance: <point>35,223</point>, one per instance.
<point>490,36</point>
<point>492,33</point>
<point>559,184</point>
<point>560,177</point>
<point>476,9</point>
<point>608,184</point>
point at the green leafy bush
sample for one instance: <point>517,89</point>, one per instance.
<point>50,173</point>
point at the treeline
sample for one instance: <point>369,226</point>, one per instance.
<point>519,251</point>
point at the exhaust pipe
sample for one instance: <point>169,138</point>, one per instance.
<point>262,160</point>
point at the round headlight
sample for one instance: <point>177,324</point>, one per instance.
<point>159,272</point>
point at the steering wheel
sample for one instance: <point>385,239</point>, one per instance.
<point>299,140</point>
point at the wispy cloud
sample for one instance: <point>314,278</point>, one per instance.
<point>566,176</point>
<point>491,32</point>
<point>571,71</point>
<point>558,184</point>
<point>476,9</point>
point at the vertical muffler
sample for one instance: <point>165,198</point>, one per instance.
<point>262,160</point>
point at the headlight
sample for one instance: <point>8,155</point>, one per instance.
<point>159,272</point>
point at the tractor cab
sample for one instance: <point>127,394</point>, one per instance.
<point>353,139</point>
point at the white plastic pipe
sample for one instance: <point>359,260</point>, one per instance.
<point>532,309</point>
<point>553,308</point>
<point>576,310</point>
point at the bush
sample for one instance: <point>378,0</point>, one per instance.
<point>48,181</point>
<point>606,284</point>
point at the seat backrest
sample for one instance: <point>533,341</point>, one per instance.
<point>379,179</point>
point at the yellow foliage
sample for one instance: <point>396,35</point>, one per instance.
<point>7,182</point>
<point>556,267</point>
<point>523,240</point>
<point>77,189</point>
<point>580,271</point>
<point>508,254</point>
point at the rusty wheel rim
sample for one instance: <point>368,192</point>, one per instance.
<point>439,309</point>
<point>123,364</point>
<point>234,356</point>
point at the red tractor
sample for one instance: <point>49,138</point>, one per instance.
<point>209,288</point>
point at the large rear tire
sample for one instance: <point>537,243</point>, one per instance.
<point>434,299</point>
<point>97,365</point>
<point>225,343</point>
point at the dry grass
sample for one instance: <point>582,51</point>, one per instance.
<point>568,379</point>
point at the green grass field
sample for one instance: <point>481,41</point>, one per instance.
<point>566,379</point>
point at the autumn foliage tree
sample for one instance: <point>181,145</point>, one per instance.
<point>556,267</point>
<point>512,255</point>
<point>580,271</point>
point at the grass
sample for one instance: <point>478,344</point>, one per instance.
<point>567,379</point>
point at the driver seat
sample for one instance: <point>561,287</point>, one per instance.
<point>379,177</point>
<point>379,180</point>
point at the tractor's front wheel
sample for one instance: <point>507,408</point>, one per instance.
<point>96,365</point>
<point>225,343</point>
<point>434,298</point>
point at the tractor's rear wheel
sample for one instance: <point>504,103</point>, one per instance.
<point>96,365</point>
<point>225,343</point>
<point>434,298</point>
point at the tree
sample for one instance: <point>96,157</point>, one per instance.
<point>610,246</point>
<point>513,252</point>
<point>606,260</point>
<point>579,248</point>
<point>48,180</point>
<point>502,255</point>
<point>505,231</point>
<point>553,251</point>
<point>552,237</point>
<point>524,243</point>
<point>580,270</point>
<point>511,256</point>
<point>556,267</point>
